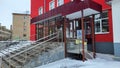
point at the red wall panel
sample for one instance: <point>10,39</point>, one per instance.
<point>108,37</point>
<point>32,32</point>
<point>66,1</point>
<point>35,5</point>
<point>103,3</point>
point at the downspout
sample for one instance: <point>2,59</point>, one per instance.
<point>44,22</point>
<point>44,6</point>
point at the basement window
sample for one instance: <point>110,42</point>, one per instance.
<point>25,24</point>
<point>24,35</point>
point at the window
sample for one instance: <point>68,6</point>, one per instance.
<point>24,35</point>
<point>25,24</point>
<point>25,17</point>
<point>60,2</point>
<point>101,22</point>
<point>51,5</point>
<point>24,29</point>
<point>40,10</point>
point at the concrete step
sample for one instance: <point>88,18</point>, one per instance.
<point>25,57</point>
<point>21,61</point>
<point>116,58</point>
<point>11,63</point>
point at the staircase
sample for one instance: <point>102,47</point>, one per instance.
<point>19,58</point>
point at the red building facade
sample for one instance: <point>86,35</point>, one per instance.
<point>104,40</point>
<point>103,22</point>
<point>35,5</point>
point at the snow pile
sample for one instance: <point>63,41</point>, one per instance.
<point>105,56</point>
<point>14,48</point>
<point>95,63</point>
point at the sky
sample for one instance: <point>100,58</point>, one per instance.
<point>7,7</point>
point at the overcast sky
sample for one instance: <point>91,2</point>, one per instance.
<point>7,7</point>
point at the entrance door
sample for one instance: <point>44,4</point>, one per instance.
<point>73,41</point>
<point>74,36</point>
<point>88,34</point>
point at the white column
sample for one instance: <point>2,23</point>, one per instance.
<point>116,26</point>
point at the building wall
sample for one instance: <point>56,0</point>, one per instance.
<point>108,37</point>
<point>103,40</point>
<point>21,26</point>
<point>116,26</point>
<point>5,34</point>
<point>105,37</point>
<point>35,5</point>
<point>32,32</point>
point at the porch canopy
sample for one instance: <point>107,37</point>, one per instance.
<point>71,10</point>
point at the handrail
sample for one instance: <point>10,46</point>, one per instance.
<point>45,37</point>
<point>36,45</point>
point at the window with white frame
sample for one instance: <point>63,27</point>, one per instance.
<point>101,22</point>
<point>60,2</point>
<point>51,5</point>
<point>40,10</point>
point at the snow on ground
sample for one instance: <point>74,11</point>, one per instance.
<point>14,47</point>
<point>99,62</point>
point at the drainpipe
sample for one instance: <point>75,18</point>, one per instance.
<point>44,6</point>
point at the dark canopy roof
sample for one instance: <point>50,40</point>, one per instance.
<point>71,9</point>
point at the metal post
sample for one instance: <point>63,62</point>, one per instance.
<point>73,29</point>
<point>0,62</point>
<point>64,29</point>
<point>44,29</point>
<point>69,28</point>
<point>82,22</point>
<point>93,37</point>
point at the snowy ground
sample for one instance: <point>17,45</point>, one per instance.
<point>102,61</point>
<point>14,47</point>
